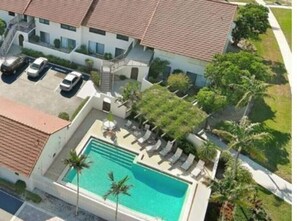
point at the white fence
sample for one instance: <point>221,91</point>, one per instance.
<point>79,58</point>
<point>145,83</point>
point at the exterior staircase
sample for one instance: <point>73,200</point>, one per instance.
<point>106,79</point>
<point>8,40</point>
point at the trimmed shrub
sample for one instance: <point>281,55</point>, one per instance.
<point>95,77</point>
<point>123,77</point>
<point>77,110</point>
<point>83,50</point>
<point>107,56</point>
<point>180,82</point>
<point>177,71</point>
<point>2,27</point>
<point>35,38</point>
<point>89,64</point>
<point>207,151</point>
<point>33,197</point>
<point>57,43</point>
<point>20,186</point>
<point>63,115</point>
<point>187,147</point>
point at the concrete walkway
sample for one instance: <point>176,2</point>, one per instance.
<point>264,177</point>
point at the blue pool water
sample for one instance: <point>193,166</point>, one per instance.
<point>153,193</point>
<point>9,203</point>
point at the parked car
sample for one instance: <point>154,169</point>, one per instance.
<point>70,81</point>
<point>37,67</point>
<point>12,64</point>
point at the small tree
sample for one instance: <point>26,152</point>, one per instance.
<point>89,63</point>
<point>210,101</point>
<point>252,20</point>
<point>95,77</point>
<point>2,27</point>
<point>180,82</point>
<point>130,94</point>
<point>117,189</point>
<point>57,43</point>
<point>158,66</point>
<point>207,151</point>
<point>77,162</point>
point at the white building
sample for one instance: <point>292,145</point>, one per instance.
<point>186,33</point>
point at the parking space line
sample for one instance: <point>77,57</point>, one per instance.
<point>42,76</point>
<point>57,88</point>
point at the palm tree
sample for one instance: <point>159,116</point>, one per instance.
<point>253,89</point>
<point>242,135</point>
<point>77,162</point>
<point>230,193</point>
<point>116,189</point>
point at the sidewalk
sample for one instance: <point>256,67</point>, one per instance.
<point>264,177</point>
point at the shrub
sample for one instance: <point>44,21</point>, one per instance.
<point>107,56</point>
<point>123,77</point>
<point>33,197</point>
<point>177,71</point>
<point>57,43</point>
<point>89,64</point>
<point>32,53</point>
<point>187,147</point>
<point>179,82</point>
<point>77,110</point>
<point>35,38</point>
<point>95,77</point>
<point>2,27</point>
<point>63,115</point>
<point>210,101</point>
<point>83,49</point>
<point>20,186</point>
<point>158,66</point>
<point>207,151</point>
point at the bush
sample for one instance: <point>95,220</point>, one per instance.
<point>20,186</point>
<point>63,115</point>
<point>95,77</point>
<point>32,53</point>
<point>187,147</point>
<point>2,27</point>
<point>123,77</point>
<point>77,110</point>
<point>33,197</point>
<point>210,101</point>
<point>107,56</point>
<point>180,82</point>
<point>35,38</point>
<point>207,151</point>
<point>57,43</point>
<point>177,71</point>
<point>89,64</point>
<point>157,67</point>
<point>83,50</point>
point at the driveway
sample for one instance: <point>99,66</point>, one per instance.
<point>42,93</point>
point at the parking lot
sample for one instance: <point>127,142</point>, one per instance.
<point>43,92</point>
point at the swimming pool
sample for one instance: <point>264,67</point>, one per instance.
<point>153,193</point>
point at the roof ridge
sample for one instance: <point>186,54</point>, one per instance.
<point>151,18</point>
<point>29,2</point>
<point>91,6</point>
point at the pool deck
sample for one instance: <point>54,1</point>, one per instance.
<point>92,127</point>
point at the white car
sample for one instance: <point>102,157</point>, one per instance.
<point>36,67</point>
<point>70,81</point>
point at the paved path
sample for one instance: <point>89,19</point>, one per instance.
<point>261,175</point>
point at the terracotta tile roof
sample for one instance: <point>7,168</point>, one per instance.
<point>70,12</point>
<point>17,6</point>
<point>193,28</point>
<point>124,17</point>
<point>24,133</point>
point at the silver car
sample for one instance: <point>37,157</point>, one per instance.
<point>70,81</point>
<point>36,67</point>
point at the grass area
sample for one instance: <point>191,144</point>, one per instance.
<point>279,2</point>
<point>276,208</point>
<point>275,112</point>
<point>284,18</point>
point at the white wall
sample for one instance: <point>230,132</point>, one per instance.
<point>79,58</point>
<point>185,64</point>
<point>51,150</point>
<point>126,70</point>
<point>56,32</point>
<point>16,37</point>
<point>9,175</point>
<point>5,16</point>
<point>109,40</point>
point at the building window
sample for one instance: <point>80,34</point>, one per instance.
<point>68,27</point>
<point>68,43</point>
<point>11,13</point>
<point>119,51</point>
<point>16,173</point>
<point>44,21</point>
<point>122,37</point>
<point>97,31</point>
<point>96,48</point>
<point>45,37</point>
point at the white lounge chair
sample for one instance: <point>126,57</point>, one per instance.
<point>128,124</point>
<point>167,149</point>
<point>145,137</point>
<point>189,161</point>
<point>197,170</point>
<point>176,156</point>
<point>155,147</point>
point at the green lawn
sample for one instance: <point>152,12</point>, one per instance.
<point>284,18</point>
<point>275,111</point>
<point>276,208</point>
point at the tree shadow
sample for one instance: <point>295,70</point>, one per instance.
<point>279,71</point>
<point>261,111</point>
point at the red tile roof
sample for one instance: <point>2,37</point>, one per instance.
<point>70,12</point>
<point>23,134</point>
<point>126,17</point>
<point>193,28</point>
<point>17,6</point>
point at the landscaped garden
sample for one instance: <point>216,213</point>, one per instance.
<point>284,18</point>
